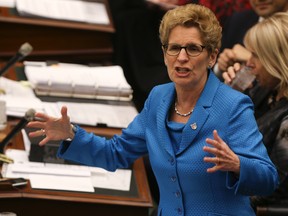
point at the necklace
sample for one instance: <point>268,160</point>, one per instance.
<point>181,114</point>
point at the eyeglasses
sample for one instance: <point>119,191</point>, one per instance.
<point>191,49</point>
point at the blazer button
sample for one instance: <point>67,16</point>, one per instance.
<point>173,178</point>
<point>172,161</point>
<point>177,194</point>
<point>179,210</point>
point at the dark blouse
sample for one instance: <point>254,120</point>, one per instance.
<point>274,127</point>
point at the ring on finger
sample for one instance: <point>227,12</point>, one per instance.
<point>43,132</point>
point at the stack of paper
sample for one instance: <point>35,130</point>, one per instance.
<point>19,98</point>
<point>63,176</point>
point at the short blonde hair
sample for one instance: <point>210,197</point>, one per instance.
<point>193,15</point>
<point>269,40</point>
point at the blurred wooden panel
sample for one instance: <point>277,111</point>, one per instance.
<point>55,39</point>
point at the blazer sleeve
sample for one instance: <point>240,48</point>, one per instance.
<point>258,175</point>
<point>118,152</point>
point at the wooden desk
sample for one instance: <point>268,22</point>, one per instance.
<point>59,40</point>
<point>29,202</point>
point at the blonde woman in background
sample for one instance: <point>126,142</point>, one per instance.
<point>268,43</point>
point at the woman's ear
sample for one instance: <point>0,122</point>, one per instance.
<point>213,58</point>
<point>165,61</point>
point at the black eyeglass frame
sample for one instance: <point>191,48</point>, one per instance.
<point>165,47</point>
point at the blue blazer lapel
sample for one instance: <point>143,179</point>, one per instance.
<point>163,111</point>
<point>200,113</point>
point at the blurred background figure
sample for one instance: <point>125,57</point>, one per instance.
<point>136,41</point>
<point>232,49</point>
<point>137,45</point>
<point>224,9</point>
<point>268,43</point>
<point>236,26</point>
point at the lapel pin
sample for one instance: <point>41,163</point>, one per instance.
<point>193,126</point>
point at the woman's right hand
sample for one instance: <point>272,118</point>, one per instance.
<point>51,128</point>
<point>230,74</point>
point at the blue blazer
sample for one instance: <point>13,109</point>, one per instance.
<point>185,186</point>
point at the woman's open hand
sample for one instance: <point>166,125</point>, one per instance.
<point>51,128</point>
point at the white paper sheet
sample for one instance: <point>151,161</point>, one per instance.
<point>65,177</point>
<point>118,180</point>
<point>46,169</point>
<point>93,114</point>
<point>67,183</point>
<point>7,3</point>
<point>19,97</point>
<point>72,10</point>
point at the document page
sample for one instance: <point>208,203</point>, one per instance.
<point>93,114</point>
<point>7,3</point>
<point>19,97</point>
<point>67,183</point>
<point>71,10</point>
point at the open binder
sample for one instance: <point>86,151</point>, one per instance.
<point>78,81</point>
